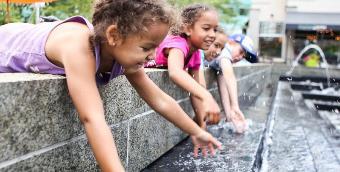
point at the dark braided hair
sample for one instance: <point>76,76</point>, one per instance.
<point>189,16</point>
<point>130,16</point>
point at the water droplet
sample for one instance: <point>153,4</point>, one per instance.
<point>269,141</point>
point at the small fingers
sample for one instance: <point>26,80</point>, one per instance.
<point>196,151</point>
<point>216,143</point>
<point>218,117</point>
<point>213,118</point>
<point>204,151</point>
<point>211,149</point>
<point>209,118</point>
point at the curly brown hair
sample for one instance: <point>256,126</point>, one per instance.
<point>130,16</point>
<point>189,16</point>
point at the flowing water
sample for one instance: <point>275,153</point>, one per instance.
<point>239,151</point>
<point>297,139</point>
<point>284,135</point>
<point>308,47</point>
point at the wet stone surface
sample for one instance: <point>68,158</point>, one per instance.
<point>333,119</point>
<point>238,150</point>
<point>299,139</point>
<point>237,154</point>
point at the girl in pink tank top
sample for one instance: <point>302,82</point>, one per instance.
<point>124,35</point>
<point>180,53</point>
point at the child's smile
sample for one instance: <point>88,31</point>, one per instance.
<point>135,50</point>
<point>202,33</point>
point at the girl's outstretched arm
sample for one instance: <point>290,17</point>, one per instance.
<point>198,76</point>
<point>79,63</point>
<point>84,92</point>
<point>185,81</point>
<point>195,101</point>
<point>169,109</point>
<point>228,81</point>
<point>68,45</point>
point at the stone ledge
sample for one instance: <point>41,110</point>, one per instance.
<point>36,112</point>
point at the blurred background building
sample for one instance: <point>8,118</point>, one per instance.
<point>279,28</point>
<point>282,28</point>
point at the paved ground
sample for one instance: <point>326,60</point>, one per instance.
<point>300,138</point>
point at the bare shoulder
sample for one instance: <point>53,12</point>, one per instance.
<point>173,51</point>
<point>67,38</point>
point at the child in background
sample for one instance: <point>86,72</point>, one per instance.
<point>312,60</point>
<point>235,49</point>
<point>123,36</point>
<point>179,52</point>
<point>215,49</point>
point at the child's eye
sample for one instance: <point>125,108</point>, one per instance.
<point>146,49</point>
<point>206,28</point>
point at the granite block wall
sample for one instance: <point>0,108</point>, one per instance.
<point>40,129</point>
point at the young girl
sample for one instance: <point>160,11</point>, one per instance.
<point>235,49</point>
<point>123,36</point>
<point>215,49</point>
<point>179,52</point>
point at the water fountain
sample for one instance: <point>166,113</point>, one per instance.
<point>313,88</point>
<point>308,47</point>
<point>304,126</point>
<point>287,136</point>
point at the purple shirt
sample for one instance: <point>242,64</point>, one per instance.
<point>22,49</point>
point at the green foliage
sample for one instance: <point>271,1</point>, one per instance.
<point>15,13</point>
<point>331,49</point>
<point>222,6</point>
<point>66,8</point>
<point>60,8</point>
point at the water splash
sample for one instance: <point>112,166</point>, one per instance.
<point>311,46</point>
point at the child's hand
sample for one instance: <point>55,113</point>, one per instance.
<point>211,109</point>
<point>238,120</point>
<point>205,141</point>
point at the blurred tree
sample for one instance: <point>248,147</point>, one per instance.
<point>222,6</point>
<point>66,8</point>
<point>16,11</point>
<point>60,8</point>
